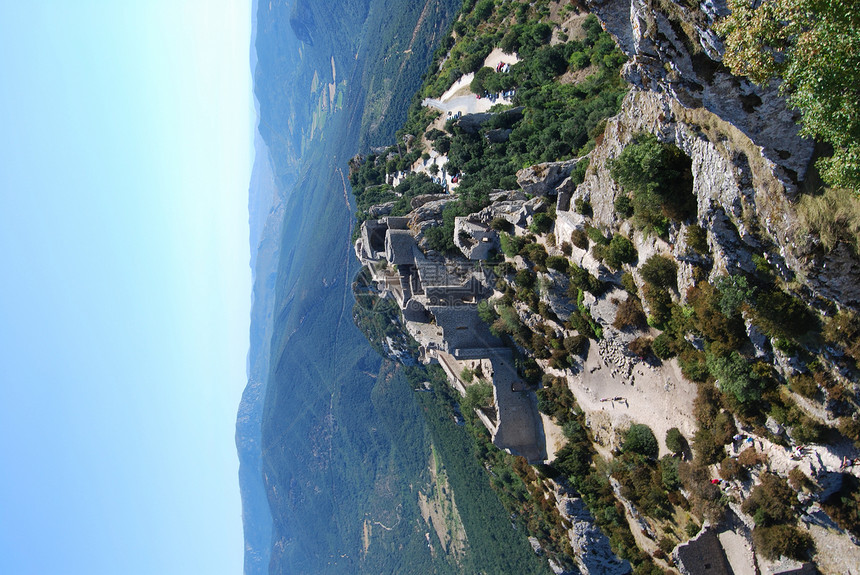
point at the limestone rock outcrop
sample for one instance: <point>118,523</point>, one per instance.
<point>591,547</point>
<point>543,179</point>
<point>747,156</point>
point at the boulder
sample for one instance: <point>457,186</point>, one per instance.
<point>419,201</point>
<point>471,123</point>
<point>542,179</point>
<point>565,223</point>
<point>431,211</point>
<point>379,210</point>
<point>516,211</point>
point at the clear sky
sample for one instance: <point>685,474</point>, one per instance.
<point>125,154</point>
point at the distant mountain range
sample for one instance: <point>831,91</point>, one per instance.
<point>313,65</point>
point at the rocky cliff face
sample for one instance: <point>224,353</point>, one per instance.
<point>747,158</point>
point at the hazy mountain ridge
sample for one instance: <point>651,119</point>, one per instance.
<point>292,254</point>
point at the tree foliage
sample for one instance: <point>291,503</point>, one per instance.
<point>478,395</point>
<point>813,46</point>
<point>735,291</point>
<point>640,439</point>
<point>675,441</point>
<point>620,251</point>
<point>735,377</point>
<point>630,315</point>
<point>660,271</point>
<point>659,177</point>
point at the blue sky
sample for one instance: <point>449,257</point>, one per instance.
<point>126,143</point>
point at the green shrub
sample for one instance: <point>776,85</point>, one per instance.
<point>559,263</point>
<point>779,314</point>
<point>693,364</point>
<point>525,278</point>
<point>764,271</point>
<point>640,439</point>
<point>710,322</point>
<point>434,134</point>
<point>442,145</point>
<point>577,175</point>
<point>815,58</point>
<point>723,427</point>
<point>441,238</point>
<point>641,482</point>
<point>581,279</point>
<point>660,271</point>
<point>541,223</point>
<point>623,206</point>
<point>579,60</point>
<point>666,544</point>
<point>472,62</point>
<point>502,269</point>
<point>782,540</point>
<point>675,441</point>
<point>735,291</point>
<point>574,459</point>
<point>659,304</point>
<point>807,430</point>
<point>501,225</point>
<point>579,238</point>
<point>770,502</point>
<point>663,346</point>
<point>620,251</point>
<point>629,283</point>
<point>582,325</point>
<point>735,377</point>
<point>596,236</point>
<point>706,448</point>
<point>487,311</point>
<point>630,315</point>
<point>555,398</point>
<point>669,472</point>
<point>660,178</point>
<point>692,529</point>
<point>576,345</point>
<point>559,359</point>
<point>707,404</point>
<point>697,239</point>
<point>511,245</point>
<point>583,207</point>
<point>641,346</point>
<point>478,395</point>
<point>536,253</point>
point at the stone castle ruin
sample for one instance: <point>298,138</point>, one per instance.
<point>439,302</point>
